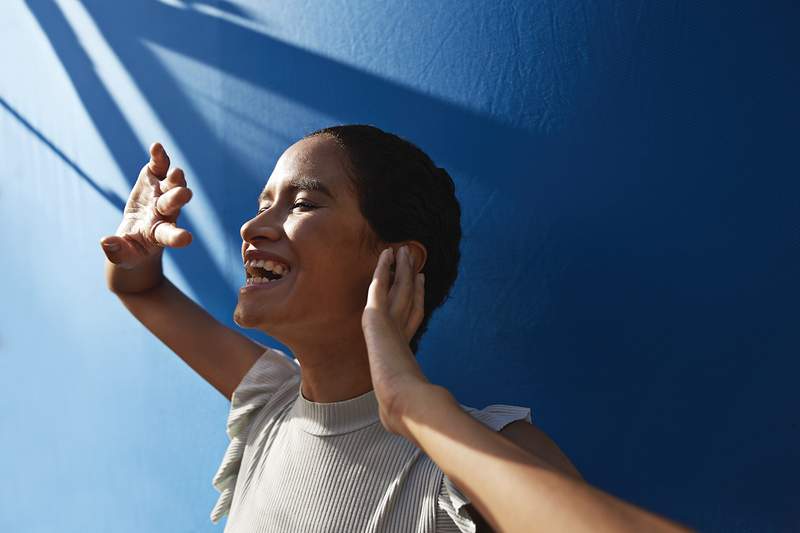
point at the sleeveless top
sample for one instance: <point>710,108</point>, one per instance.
<point>297,465</point>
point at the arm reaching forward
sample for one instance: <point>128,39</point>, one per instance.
<point>219,354</point>
<point>513,489</point>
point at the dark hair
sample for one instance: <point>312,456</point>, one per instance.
<point>403,195</point>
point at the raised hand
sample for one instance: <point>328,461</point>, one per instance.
<point>148,222</point>
<point>392,315</point>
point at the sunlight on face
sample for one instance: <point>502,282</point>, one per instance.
<point>309,218</point>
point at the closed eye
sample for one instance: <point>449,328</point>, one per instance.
<point>304,204</point>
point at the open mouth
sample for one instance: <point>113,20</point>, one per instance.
<point>264,272</point>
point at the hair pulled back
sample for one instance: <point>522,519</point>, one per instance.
<point>403,195</point>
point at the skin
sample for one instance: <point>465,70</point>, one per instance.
<point>317,314</point>
<point>515,487</point>
<point>348,319</point>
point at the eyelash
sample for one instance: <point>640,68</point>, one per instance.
<point>304,204</point>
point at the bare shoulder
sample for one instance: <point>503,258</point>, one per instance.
<point>532,439</point>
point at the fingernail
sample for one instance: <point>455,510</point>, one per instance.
<point>111,246</point>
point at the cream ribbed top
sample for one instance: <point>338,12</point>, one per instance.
<point>297,465</point>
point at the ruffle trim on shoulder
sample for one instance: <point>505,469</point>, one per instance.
<point>498,416</point>
<point>269,375</point>
<point>495,417</point>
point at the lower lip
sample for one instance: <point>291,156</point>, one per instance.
<point>261,286</point>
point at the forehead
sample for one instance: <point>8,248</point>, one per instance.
<point>316,164</point>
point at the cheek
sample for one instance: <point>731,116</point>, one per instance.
<point>334,256</point>
<point>324,235</point>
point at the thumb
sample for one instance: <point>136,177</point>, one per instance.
<point>117,250</point>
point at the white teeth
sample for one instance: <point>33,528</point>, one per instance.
<point>259,281</point>
<point>277,268</point>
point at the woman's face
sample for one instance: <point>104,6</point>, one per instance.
<point>308,216</point>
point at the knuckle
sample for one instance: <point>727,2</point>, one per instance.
<point>160,207</point>
<point>154,230</point>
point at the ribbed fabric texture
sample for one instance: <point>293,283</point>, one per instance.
<point>297,465</point>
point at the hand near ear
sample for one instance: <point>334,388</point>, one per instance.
<point>393,313</point>
<point>512,488</point>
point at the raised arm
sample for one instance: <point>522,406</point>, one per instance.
<point>513,489</point>
<point>134,273</point>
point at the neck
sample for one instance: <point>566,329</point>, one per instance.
<point>334,368</point>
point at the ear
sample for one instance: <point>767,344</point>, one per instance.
<point>418,254</point>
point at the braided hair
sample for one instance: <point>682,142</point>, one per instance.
<point>403,195</point>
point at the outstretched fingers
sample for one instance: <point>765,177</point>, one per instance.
<point>175,178</point>
<point>159,161</point>
<point>170,203</point>
<point>168,234</point>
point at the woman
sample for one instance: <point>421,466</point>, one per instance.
<point>307,453</point>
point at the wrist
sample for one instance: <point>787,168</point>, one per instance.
<point>425,404</point>
<point>424,396</point>
<point>137,278</point>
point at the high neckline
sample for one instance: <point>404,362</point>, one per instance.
<point>335,418</point>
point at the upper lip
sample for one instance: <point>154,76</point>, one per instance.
<point>255,255</point>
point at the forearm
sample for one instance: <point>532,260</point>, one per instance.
<point>143,277</point>
<point>512,489</point>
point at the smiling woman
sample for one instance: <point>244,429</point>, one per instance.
<point>353,246</point>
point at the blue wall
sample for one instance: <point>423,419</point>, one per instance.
<point>629,185</point>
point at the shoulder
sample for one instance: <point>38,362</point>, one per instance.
<point>455,512</point>
<point>531,438</point>
<point>271,382</point>
<point>272,372</point>
<point>515,423</point>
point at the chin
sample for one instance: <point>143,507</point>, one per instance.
<point>244,319</point>
<point>252,319</point>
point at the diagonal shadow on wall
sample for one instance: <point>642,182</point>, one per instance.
<point>669,133</point>
<point>462,138</point>
<point>110,196</point>
<point>207,282</point>
<point>328,86</point>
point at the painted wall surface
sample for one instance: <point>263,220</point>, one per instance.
<point>628,178</point>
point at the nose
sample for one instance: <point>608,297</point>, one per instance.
<point>263,225</point>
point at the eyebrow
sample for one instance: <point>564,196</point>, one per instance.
<point>304,183</point>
